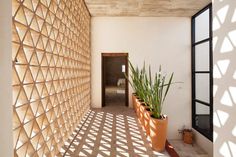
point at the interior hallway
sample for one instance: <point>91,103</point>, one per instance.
<point>112,131</point>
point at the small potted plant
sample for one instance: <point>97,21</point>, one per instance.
<point>159,121</point>
<point>187,135</point>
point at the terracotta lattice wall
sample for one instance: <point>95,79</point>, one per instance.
<point>51,73</point>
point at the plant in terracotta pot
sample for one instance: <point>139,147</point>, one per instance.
<point>139,86</point>
<point>147,79</point>
<point>158,122</point>
<point>142,88</point>
<point>134,75</point>
<point>187,135</point>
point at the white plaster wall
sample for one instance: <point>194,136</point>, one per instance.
<point>224,23</point>
<point>204,143</point>
<point>6,137</point>
<point>165,41</point>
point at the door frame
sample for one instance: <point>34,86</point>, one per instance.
<point>209,72</point>
<point>110,54</point>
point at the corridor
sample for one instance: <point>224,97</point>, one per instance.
<point>111,131</point>
<point>114,131</point>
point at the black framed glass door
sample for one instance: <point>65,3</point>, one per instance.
<point>202,73</point>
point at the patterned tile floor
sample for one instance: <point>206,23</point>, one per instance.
<point>114,131</point>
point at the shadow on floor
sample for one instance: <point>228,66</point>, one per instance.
<point>109,132</point>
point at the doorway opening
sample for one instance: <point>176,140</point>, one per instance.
<point>114,82</point>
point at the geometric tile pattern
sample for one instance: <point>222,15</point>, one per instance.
<point>51,73</point>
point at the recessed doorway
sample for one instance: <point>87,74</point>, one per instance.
<point>114,82</point>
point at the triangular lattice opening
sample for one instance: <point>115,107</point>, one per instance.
<point>50,55</point>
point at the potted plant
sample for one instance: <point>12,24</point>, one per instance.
<point>134,84</point>
<point>142,88</point>
<point>158,122</point>
<point>146,108</point>
<point>147,112</point>
<point>139,86</point>
<point>187,135</point>
<point>148,101</point>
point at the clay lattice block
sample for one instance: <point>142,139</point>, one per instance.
<point>51,73</point>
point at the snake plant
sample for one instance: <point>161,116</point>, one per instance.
<point>152,92</point>
<point>158,92</point>
<point>139,82</point>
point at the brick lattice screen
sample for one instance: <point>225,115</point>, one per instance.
<point>51,73</point>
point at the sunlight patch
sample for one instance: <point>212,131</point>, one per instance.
<point>222,13</point>
<point>216,120</point>
<point>232,147</point>
<point>226,46</point>
<point>234,16</point>
<point>224,150</point>
<point>226,100</point>
<point>223,117</point>
<point>223,66</point>
<point>234,76</point>
<point>232,36</point>
<point>234,131</point>
<point>233,93</point>
<point>216,72</point>
<point>216,24</point>
<point>215,135</point>
<point>215,88</point>
<point>215,39</point>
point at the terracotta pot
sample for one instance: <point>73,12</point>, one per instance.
<point>138,103</point>
<point>158,132</point>
<point>147,115</point>
<point>134,101</point>
<point>142,109</point>
<point>188,136</point>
